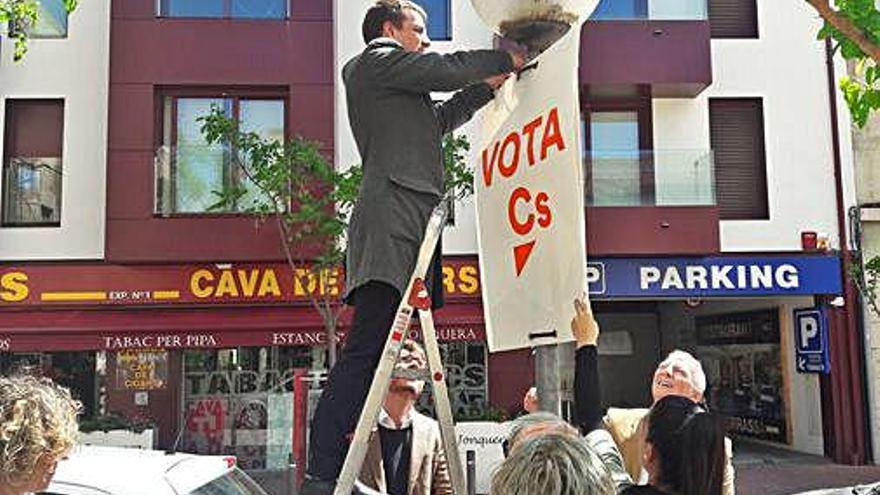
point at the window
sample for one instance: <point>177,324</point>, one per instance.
<point>610,10</point>
<point>189,171</point>
<point>250,384</point>
<point>620,9</point>
<point>736,127</point>
<point>52,22</point>
<point>618,173</point>
<point>32,162</point>
<point>439,19</point>
<point>614,145</point>
<point>237,9</point>
<point>465,364</point>
<point>733,18</point>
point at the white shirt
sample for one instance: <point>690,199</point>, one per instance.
<point>386,422</point>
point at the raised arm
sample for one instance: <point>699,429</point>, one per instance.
<point>454,112</point>
<point>587,391</point>
<point>427,72</point>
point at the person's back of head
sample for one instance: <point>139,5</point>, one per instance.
<point>552,464</point>
<point>537,423</point>
<point>38,427</point>
<point>685,447</point>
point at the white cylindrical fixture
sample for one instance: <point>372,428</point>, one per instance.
<point>496,12</point>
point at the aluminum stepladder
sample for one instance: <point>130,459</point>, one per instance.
<point>415,298</point>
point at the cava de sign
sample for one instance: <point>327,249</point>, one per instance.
<point>530,210</point>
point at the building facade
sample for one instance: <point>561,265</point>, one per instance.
<point>713,162</point>
<point>55,137</point>
<point>867,239</point>
<point>709,150</point>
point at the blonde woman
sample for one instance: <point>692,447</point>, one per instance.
<point>38,427</point>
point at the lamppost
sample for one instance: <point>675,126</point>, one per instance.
<point>537,24</point>
<point>533,23</point>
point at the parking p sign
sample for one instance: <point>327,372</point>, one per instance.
<point>811,341</point>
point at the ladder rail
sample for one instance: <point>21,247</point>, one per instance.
<point>357,450</point>
<point>442,404</point>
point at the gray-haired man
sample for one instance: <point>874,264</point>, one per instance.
<point>679,374</point>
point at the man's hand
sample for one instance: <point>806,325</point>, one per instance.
<point>518,55</point>
<point>583,325</point>
<point>495,82</point>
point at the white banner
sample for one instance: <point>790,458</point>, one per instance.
<point>485,439</point>
<point>530,203</point>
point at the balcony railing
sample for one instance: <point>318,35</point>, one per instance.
<point>651,10</point>
<point>650,178</point>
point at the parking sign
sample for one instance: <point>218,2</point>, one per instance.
<point>811,340</point>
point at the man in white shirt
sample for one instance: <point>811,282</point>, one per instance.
<point>405,456</point>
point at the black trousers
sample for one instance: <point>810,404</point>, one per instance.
<point>336,415</point>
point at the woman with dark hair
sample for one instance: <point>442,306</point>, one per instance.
<point>684,447</point>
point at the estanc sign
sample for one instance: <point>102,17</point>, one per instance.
<point>713,276</point>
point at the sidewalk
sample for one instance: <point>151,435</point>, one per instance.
<point>764,470</point>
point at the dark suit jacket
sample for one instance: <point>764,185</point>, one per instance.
<point>398,130</point>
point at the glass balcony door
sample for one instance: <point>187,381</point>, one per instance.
<point>654,10</point>
<point>614,160</point>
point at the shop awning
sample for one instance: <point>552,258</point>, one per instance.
<point>193,328</point>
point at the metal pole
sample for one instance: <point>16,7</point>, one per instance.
<point>547,378</point>
<point>300,424</point>
<point>471,472</point>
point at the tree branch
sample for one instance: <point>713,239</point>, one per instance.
<point>847,27</point>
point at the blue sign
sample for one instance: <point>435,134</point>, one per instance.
<point>811,341</point>
<point>713,276</point>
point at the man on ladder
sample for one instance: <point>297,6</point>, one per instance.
<point>398,130</point>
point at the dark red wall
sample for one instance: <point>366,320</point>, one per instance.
<point>163,409</point>
<point>148,53</point>
<point>659,230</point>
<point>511,374</point>
<point>673,57</point>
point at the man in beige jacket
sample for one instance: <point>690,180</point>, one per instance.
<point>405,455</point>
<point>679,374</point>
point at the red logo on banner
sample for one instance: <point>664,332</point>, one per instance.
<point>521,255</point>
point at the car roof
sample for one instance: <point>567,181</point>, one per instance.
<point>128,471</point>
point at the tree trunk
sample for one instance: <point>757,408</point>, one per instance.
<point>331,343</point>
<point>847,27</point>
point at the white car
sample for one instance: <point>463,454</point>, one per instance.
<point>120,471</point>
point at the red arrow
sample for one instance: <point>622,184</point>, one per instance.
<point>521,255</point>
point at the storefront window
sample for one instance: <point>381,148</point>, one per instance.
<point>239,401</point>
<point>741,355</point>
<point>74,370</point>
<point>466,373</point>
